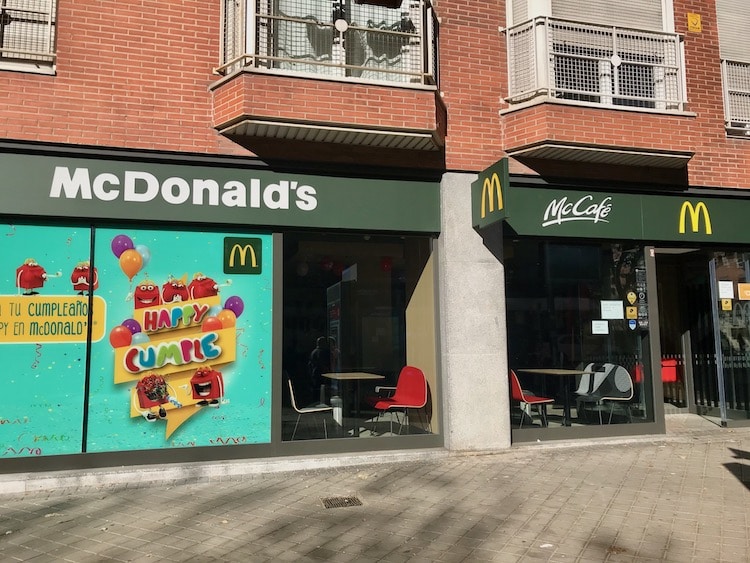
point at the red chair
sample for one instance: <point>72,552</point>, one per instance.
<point>410,393</point>
<point>528,399</point>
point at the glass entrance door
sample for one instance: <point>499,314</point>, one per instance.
<point>704,336</point>
<point>730,292</point>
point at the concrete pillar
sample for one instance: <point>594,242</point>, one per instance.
<point>472,325</point>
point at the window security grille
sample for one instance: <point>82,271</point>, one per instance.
<point>595,64</point>
<point>27,32</point>
<point>332,38</point>
<point>736,78</point>
<point>733,19</point>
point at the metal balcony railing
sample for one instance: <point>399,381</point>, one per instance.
<point>339,39</point>
<point>736,79</point>
<point>27,31</point>
<point>595,65</point>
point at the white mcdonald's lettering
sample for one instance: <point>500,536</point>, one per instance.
<point>490,187</point>
<point>243,250</point>
<point>700,207</point>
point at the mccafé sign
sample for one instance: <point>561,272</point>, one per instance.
<point>531,207</point>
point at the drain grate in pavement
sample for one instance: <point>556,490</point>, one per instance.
<point>340,502</point>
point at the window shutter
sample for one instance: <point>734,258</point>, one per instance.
<point>638,14</point>
<point>734,21</point>
<point>520,11</point>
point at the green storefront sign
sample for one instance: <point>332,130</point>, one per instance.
<point>597,214</point>
<point>60,186</point>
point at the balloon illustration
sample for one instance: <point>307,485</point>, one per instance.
<point>132,325</point>
<point>214,311</point>
<point>140,338</point>
<point>211,323</point>
<point>235,304</point>
<point>130,263</point>
<point>120,244</point>
<point>120,336</point>
<point>145,253</point>
<point>228,318</point>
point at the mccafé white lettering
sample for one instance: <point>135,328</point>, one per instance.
<point>142,187</point>
<point>562,211</point>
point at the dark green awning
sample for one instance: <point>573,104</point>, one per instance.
<point>608,215</point>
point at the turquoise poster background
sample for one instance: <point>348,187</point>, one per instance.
<point>186,360</point>
<point>43,331</point>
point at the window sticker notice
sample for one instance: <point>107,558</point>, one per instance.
<point>726,290</point>
<point>613,310</point>
<point>599,327</point>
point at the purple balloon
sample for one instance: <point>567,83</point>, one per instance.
<point>132,325</point>
<point>120,244</point>
<point>235,305</point>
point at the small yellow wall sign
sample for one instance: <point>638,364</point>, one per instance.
<point>726,304</point>
<point>694,22</point>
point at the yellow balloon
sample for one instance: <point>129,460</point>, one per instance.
<point>131,263</point>
<point>227,318</point>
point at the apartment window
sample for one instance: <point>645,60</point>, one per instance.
<point>27,35</point>
<point>379,40</point>
<point>733,20</point>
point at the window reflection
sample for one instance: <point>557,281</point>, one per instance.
<point>347,305</point>
<point>577,332</point>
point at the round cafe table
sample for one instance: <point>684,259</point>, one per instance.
<point>559,372</point>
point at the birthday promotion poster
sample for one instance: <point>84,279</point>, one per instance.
<point>45,286</point>
<point>187,356</point>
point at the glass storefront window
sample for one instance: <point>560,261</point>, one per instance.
<point>577,333</point>
<point>357,309</point>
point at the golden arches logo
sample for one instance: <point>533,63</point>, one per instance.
<point>491,190</point>
<point>695,212</point>
<point>243,252</point>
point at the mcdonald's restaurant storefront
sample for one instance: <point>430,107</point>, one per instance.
<point>621,306</point>
<point>160,310</point>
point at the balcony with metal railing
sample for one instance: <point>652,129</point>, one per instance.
<point>349,71</point>
<point>342,39</point>
<point>557,60</point>
<point>736,80</point>
<point>27,36</point>
<point>583,85</point>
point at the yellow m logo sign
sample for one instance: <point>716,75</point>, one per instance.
<point>491,191</point>
<point>695,212</point>
<point>243,251</point>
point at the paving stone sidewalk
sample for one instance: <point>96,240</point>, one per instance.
<point>681,498</point>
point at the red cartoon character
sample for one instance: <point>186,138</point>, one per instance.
<point>146,294</point>
<point>31,276</point>
<point>208,386</point>
<point>153,392</point>
<point>175,290</point>
<point>84,278</point>
<point>202,286</point>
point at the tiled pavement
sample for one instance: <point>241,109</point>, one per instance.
<point>681,498</point>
